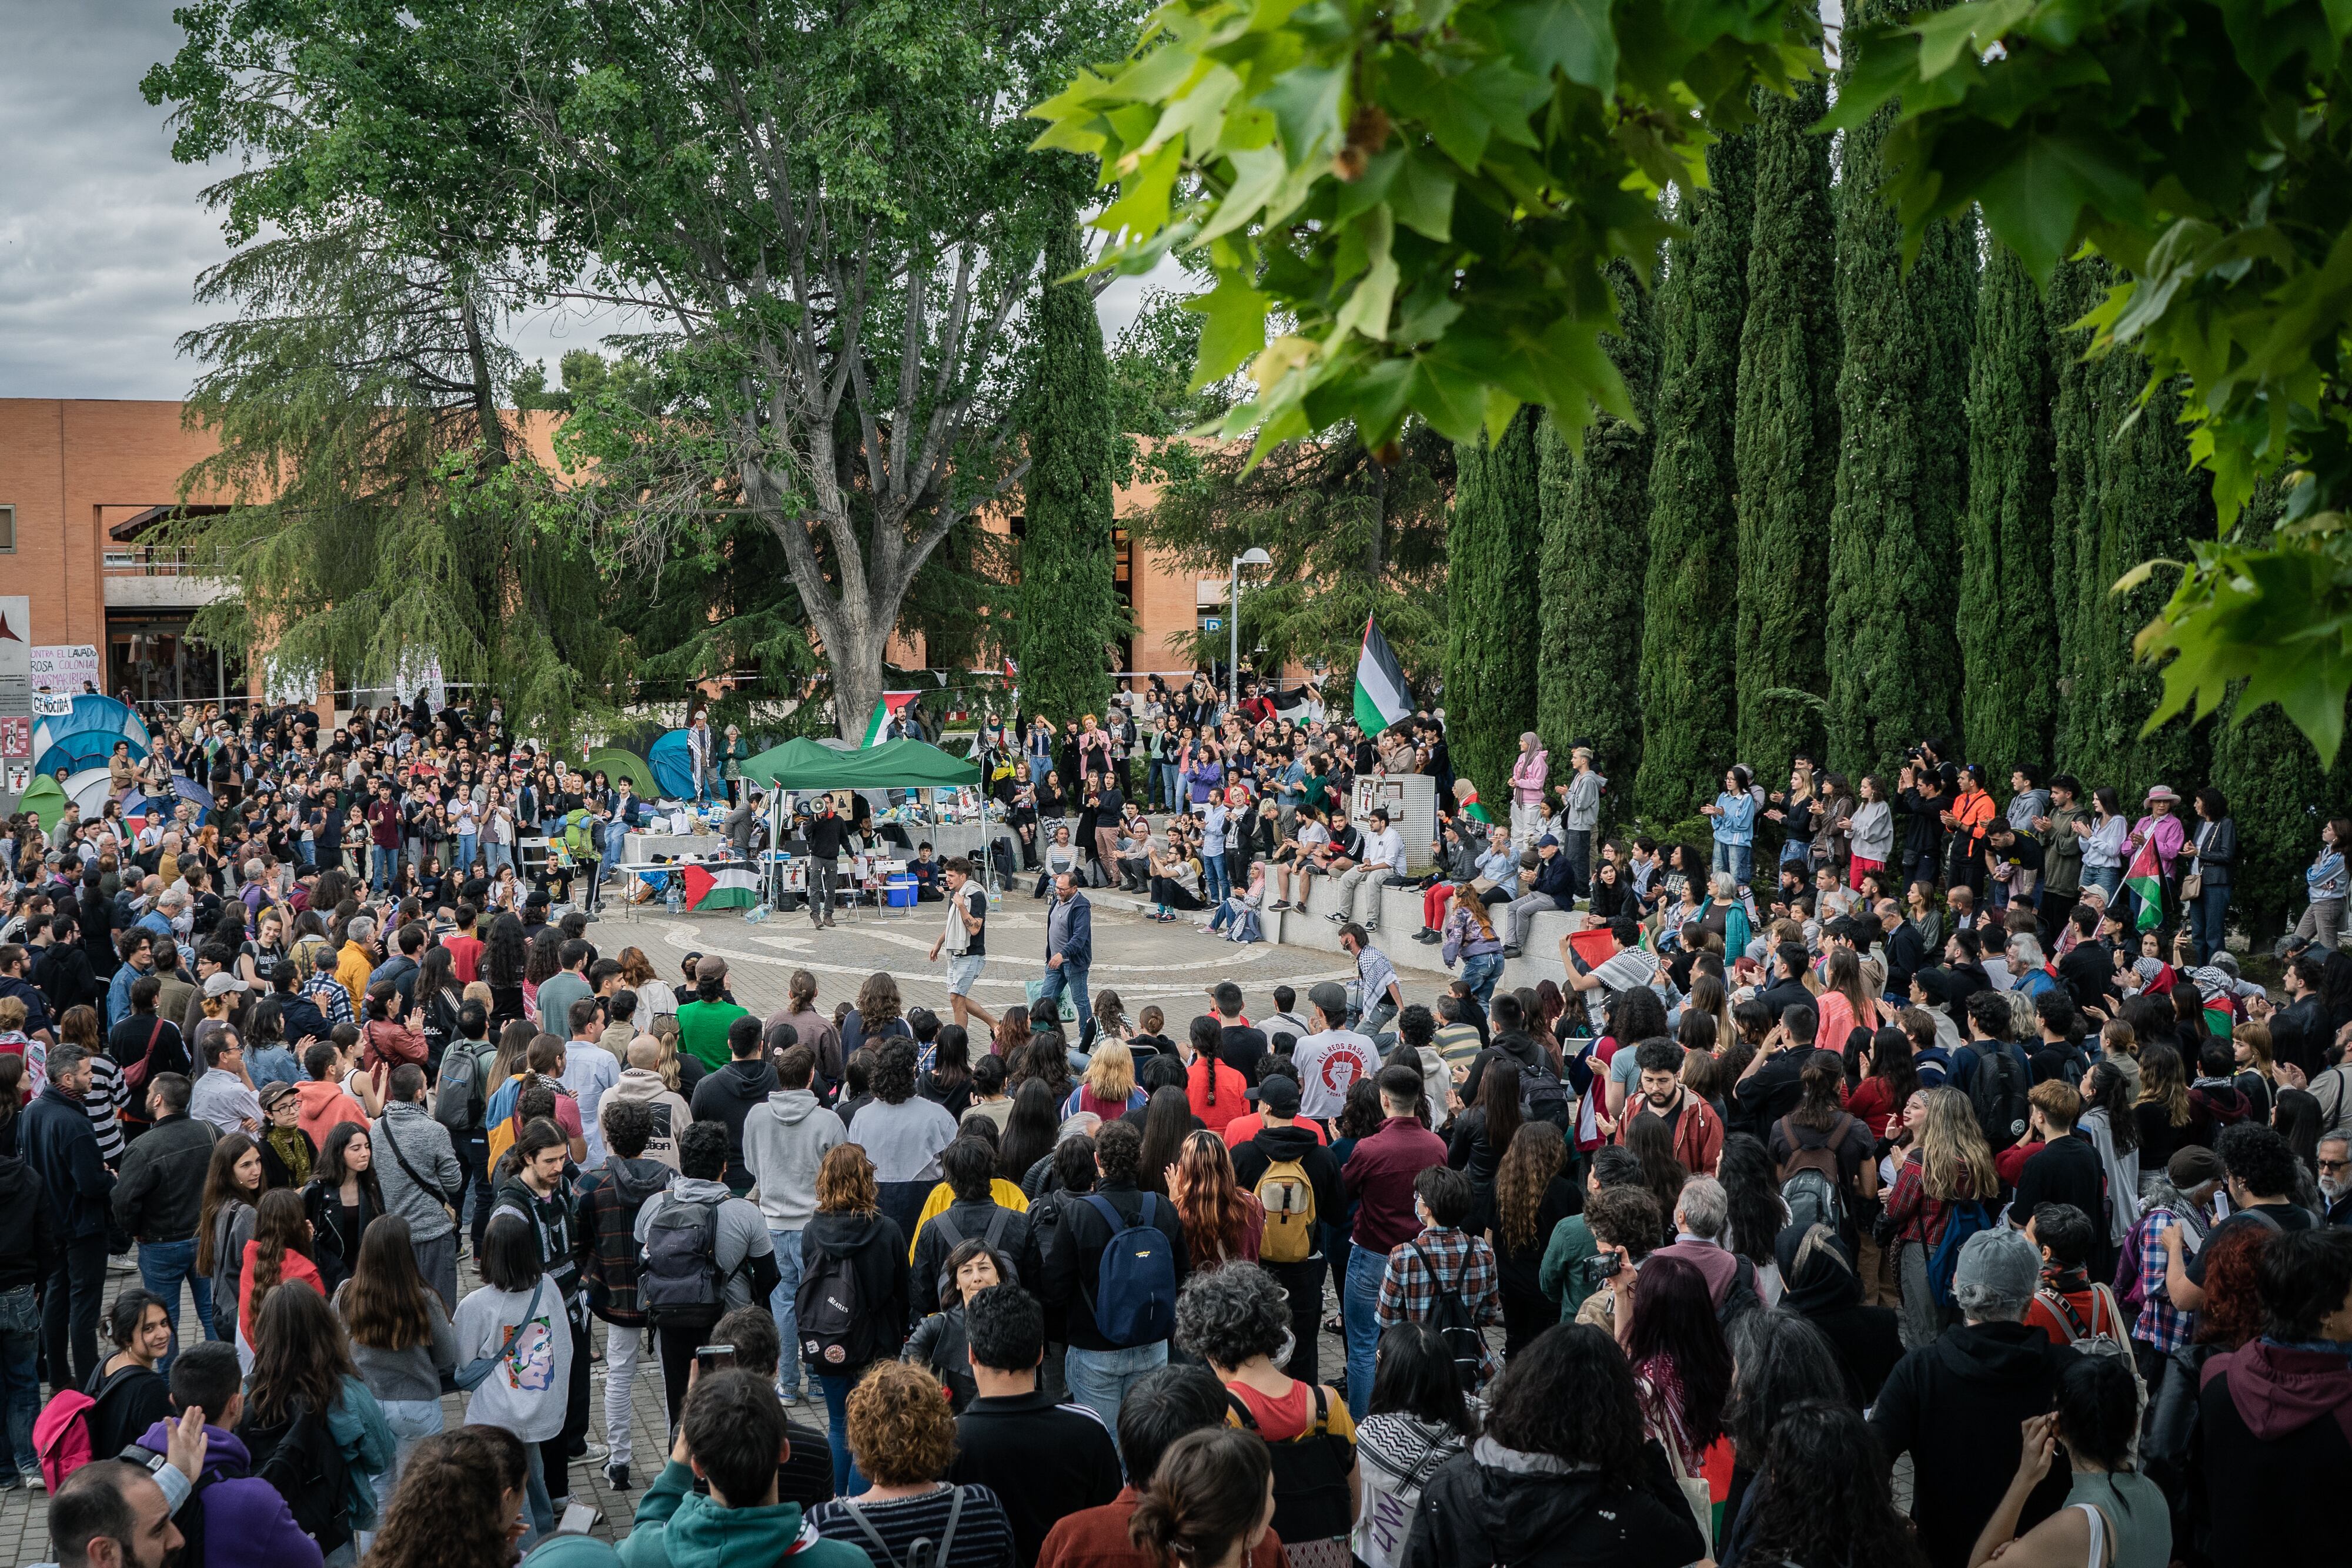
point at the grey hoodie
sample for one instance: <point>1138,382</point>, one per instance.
<point>739,1235</point>
<point>786,1138</point>
<point>670,1114</point>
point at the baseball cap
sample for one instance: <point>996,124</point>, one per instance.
<point>1548,842</point>
<point>1330,997</point>
<point>222,983</point>
<point>1278,1093</point>
<point>2001,1264</point>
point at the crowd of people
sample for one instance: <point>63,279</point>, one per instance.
<point>1957,1153</point>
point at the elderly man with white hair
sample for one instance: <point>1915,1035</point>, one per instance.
<point>1957,1404</point>
<point>1702,1234</point>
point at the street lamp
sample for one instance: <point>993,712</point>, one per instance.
<point>1253,556</point>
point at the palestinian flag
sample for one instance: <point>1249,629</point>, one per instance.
<point>721,887</point>
<point>1382,697</point>
<point>892,705</point>
<point>2145,881</point>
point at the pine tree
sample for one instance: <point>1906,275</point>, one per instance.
<point>1691,585</point>
<point>1786,438</point>
<point>1490,642</point>
<point>1595,547</point>
<point>2008,623</point>
<point>1901,479</point>
<point>1068,609</point>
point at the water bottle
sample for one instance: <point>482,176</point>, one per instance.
<point>673,897</point>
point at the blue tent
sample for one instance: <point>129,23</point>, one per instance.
<point>87,748</point>
<point>93,714</point>
<point>673,768</point>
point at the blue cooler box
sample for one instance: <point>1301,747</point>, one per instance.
<point>900,893</point>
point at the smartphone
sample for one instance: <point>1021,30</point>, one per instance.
<point>714,1357</point>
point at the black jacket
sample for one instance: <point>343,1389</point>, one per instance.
<point>27,1240</point>
<point>64,974</point>
<point>876,1249</point>
<point>2089,973</point>
<point>1045,1461</point>
<point>2064,1170</point>
<point>728,1095</point>
<point>55,1136</point>
<point>160,1186</point>
<point>1494,1504</point>
<point>1956,1406</point>
<point>1768,1094</point>
<point>1070,1270</point>
<point>970,1221</point>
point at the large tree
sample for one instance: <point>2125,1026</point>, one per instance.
<point>1596,546</point>
<point>1902,473</point>
<point>1067,613</point>
<point>1691,586</point>
<point>2007,623</point>
<point>1492,602</point>
<point>1785,437</point>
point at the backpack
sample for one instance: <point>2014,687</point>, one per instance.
<point>952,1237</point>
<point>836,1328</point>
<point>1310,1473</point>
<point>1543,1097</point>
<point>1811,1183</point>
<point>923,1552</point>
<point>61,1435</point>
<point>2109,1341</point>
<point>1449,1314</point>
<point>1288,1199</point>
<point>461,1101</point>
<point>681,1285</point>
<point>301,1457</point>
<point>1963,1218</point>
<point>1996,1092</point>
<point>1135,1277</point>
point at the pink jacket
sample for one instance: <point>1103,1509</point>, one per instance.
<point>1528,775</point>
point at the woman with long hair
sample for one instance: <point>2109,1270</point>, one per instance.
<point>1482,1134</point>
<point>1846,1004</point>
<point>1779,1360</point>
<point>1561,1473</point>
<point>1221,1222</point>
<point>1469,939</point>
<point>655,996</point>
<point>343,1198</point>
<point>1949,1164</point>
<point>1030,1130</point>
<point>2108,1122</point>
<point>2162,1110</point>
<point>302,1365</point>
<point>1416,1420</point>
<point>459,1504</point>
<point>2112,1514</point>
<point>1822,1499</point>
<point>1167,1121</point>
<point>224,1223</point>
<point>442,996</point>
<point>1108,1090</point>
<point>1893,1079</point>
<point>879,1013</point>
<point>1529,1198</point>
<point>1012,1031</point>
<point>1238,1319</point>
<point>402,1343</point>
<point>949,1082</point>
<point>1651,1141</point>
<point>1110,1017</point>
<point>505,958</point>
<point>544,963</point>
<point>1682,1367</point>
<point>850,1226</point>
<point>277,1253</point>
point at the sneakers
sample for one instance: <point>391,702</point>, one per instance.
<point>1510,952</point>
<point>616,1475</point>
<point>1426,936</point>
<point>1338,917</point>
<point>32,1478</point>
<point>1277,906</point>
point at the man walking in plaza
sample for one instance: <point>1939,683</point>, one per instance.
<point>1070,951</point>
<point>965,940</point>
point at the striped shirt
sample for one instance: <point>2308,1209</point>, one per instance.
<point>106,1095</point>
<point>983,1535</point>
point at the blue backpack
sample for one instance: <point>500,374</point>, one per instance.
<point>1964,1219</point>
<point>1135,1280</point>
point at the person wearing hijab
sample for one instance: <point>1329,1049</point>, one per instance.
<point>1822,1288</point>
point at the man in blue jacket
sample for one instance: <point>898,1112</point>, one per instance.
<point>1070,951</point>
<point>58,1142</point>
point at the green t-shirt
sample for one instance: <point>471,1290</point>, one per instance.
<point>702,1030</point>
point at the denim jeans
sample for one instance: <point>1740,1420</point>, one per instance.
<point>162,1266</point>
<point>846,1481</point>
<point>412,1421</point>
<point>1480,973</point>
<point>779,1304</point>
<point>473,1151</point>
<point>1172,783</point>
<point>1366,1265</point>
<point>496,855</point>
<point>1099,1379</point>
<point>537,1505</point>
<point>1213,878</point>
<point>2209,921</point>
<point>465,843</point>
<point>2107,878</point>
<point>1737,859</point>
<point>20,1382</point>
<point>1074,976</point>
<point>382,863</point>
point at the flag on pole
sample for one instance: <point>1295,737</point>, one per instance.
<point>720,887</point>
<point>1382,697</point>
<point>892,705</point>
<point>2146,883</point>
<point>1011,669</point>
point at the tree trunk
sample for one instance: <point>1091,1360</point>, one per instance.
<point>486,393</point>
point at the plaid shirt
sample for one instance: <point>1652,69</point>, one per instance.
<point>329,994</point>
<point>2161,1323</point>
<point>1465,1263</point>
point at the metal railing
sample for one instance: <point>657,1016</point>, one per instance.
<point>156,560</point>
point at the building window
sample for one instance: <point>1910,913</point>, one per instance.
<point>7,530</point>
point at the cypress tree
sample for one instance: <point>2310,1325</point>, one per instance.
<point>1066,611</point>
<point>1902,477</point>
<point>2152,503</point>
<point>1786,438</point>
<point>1690,587</point>
<point>1595,549</point>
<point>2077,456</point>
<point>1492,603</point>
<point>2008,622</point>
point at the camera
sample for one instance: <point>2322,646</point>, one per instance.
<point>1601,1268</point>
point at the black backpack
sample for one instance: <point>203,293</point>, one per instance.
<point>1543,1097</point>
<point>1997,1092</point>
<point>1310,1474</point>
<point>679,1283</point>
<point>301,1457</point>
<point>1449,1314</point>
<point>836,1324</point>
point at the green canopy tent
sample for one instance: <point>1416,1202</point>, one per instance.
<point>618,765</point>
<point>893,764</point>
<point>46,798</point>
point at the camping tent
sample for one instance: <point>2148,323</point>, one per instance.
<point>618,765</point>
<point>46,798</point>
<point>672,769</point>
<point>97,715</point>
<point>89,790</point>
<point>85,748</point>
<point>893,764</point>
